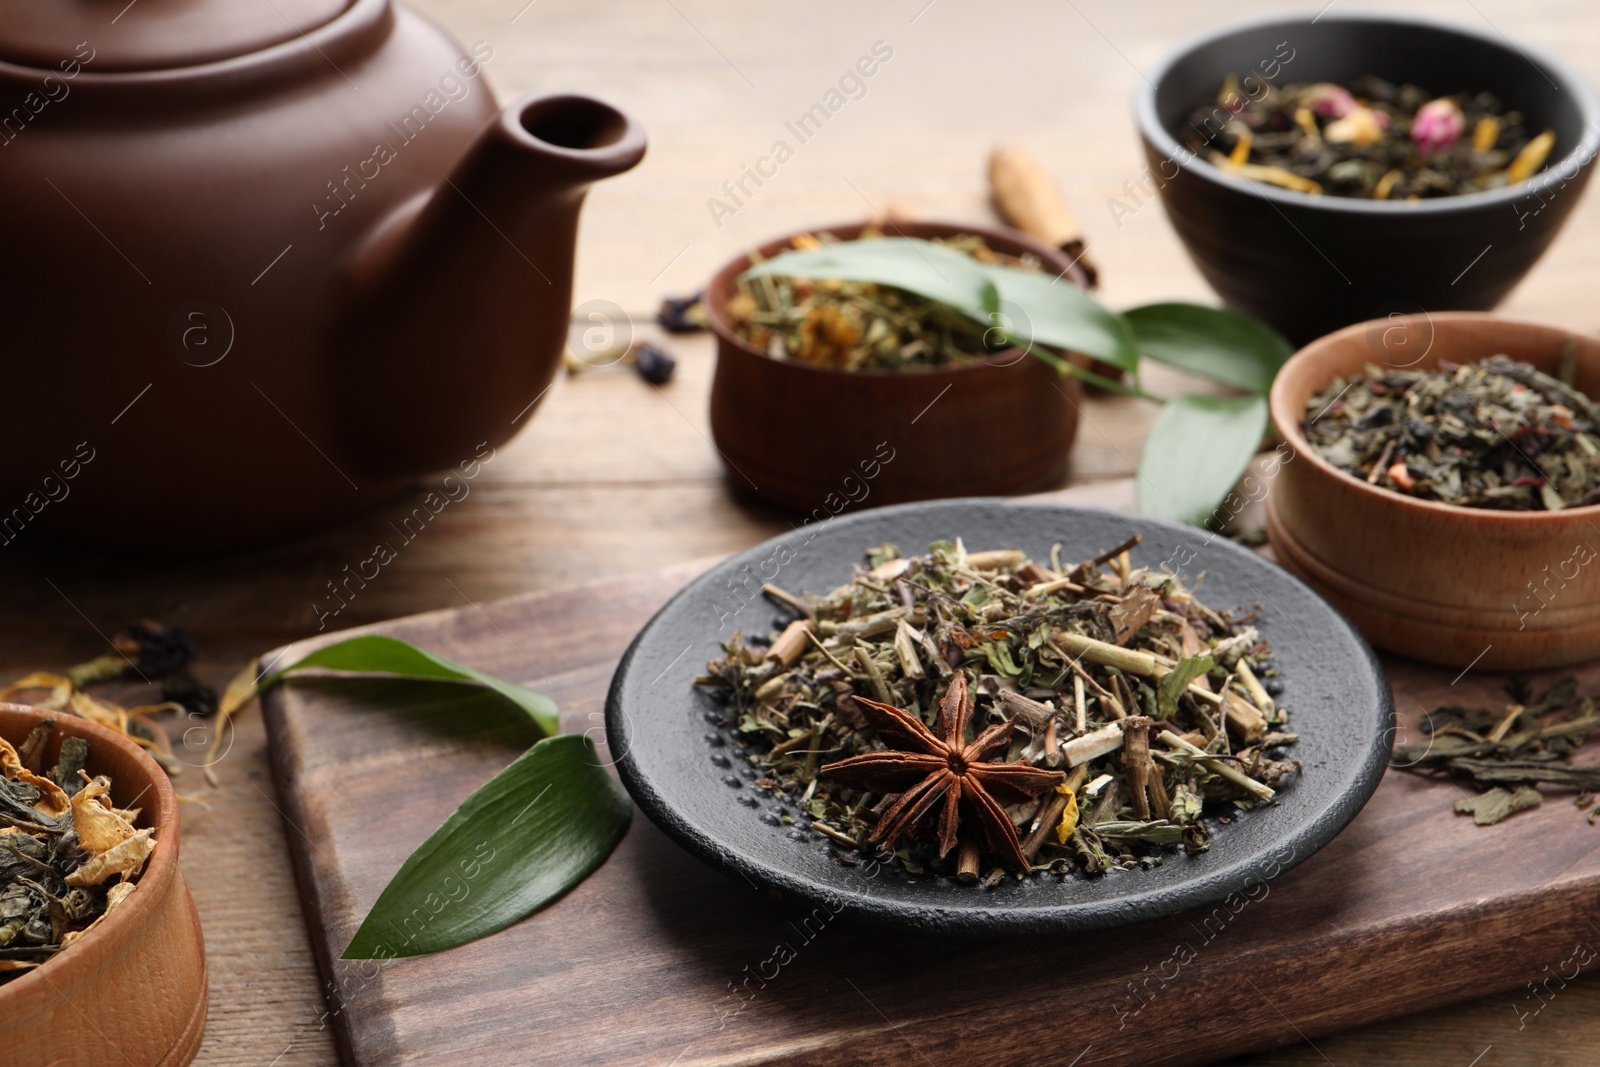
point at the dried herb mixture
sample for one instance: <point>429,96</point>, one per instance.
<point>1372,140</point>
<point>853,325</point>
<point>1496,434</point>
<point>976,712</point>
<point>1509,751</point>
<point>68,857</point>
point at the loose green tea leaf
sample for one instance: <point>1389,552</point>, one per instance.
<point>1498,804</point>
<point>520,841</point>
<point>377,654</point>
<point>1511,750</point>
<point>1216,343</point>
<point>1196,451</point>
<point>1497,434</point>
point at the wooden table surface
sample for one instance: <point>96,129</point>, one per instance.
<point>614,476</point>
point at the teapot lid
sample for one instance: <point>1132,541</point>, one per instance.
<point>141,35</point>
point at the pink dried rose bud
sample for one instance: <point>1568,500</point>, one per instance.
<point>1438,125</point>
<point>1330,100</point>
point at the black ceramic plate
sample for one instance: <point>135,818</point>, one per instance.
<point>657,724</point>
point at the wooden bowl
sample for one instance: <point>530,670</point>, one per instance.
<point>132,992</point>
<point>816,440</point>
<point>1505,590</point>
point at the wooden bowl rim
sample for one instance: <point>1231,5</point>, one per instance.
<point>1287,420</point>
<point>721,287</point>
<point>158,874</point>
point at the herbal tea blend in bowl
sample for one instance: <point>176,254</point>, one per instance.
<point>1444,498</point>
<point>101,955</point>
<point>1495,434</point>
<point>879,398</point>
<point>717,768</point>
<point>981,711</point>
<point>1372,139</point>
<point>1418,186</point>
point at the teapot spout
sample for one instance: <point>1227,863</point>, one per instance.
<point>460,300</point>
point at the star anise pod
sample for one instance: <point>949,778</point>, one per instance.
<point>924,768</point>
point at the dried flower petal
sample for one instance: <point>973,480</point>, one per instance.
<point>1438,125</point>
<point>100,828</point>
<point>126,859</point>
<point>1330,100</point>
<point>52,798</point>
<point>1362,126</point>
<point>1531,158</point>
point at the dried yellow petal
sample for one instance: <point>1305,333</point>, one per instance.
<point>1307,123</point>
<point>1485,133</point>
<point>100,828</point>
<point>1241,148</point>
<point>1531,158</point>
<point>127,859</point>
<point>60,688</point>
<point>1386,185</point>
<point>1069,815</point>
<point>103,712</point>
<point>52,799</point>
<point>1361,127</point>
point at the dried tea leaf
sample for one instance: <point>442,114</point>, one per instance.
<point>1499,803</point>
<point>114,899</point>
<point>1132,612</point>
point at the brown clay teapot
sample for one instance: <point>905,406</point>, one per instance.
<point>265,262</point>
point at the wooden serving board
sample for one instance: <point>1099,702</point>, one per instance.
<point>658,959</point>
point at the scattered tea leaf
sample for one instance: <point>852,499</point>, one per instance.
<point>1498,803</point>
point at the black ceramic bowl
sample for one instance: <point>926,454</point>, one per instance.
<point>1310,264</point>
<point>677,765</point>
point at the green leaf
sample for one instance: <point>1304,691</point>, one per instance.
<point>922,267</point>
<point>1195,453</point>
<point>1216,343</point>
<point>520,841</point>
<point>1041,309</point>
<point>1027,306</point>
<point>376,654</point>
<point>1185,671</point>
